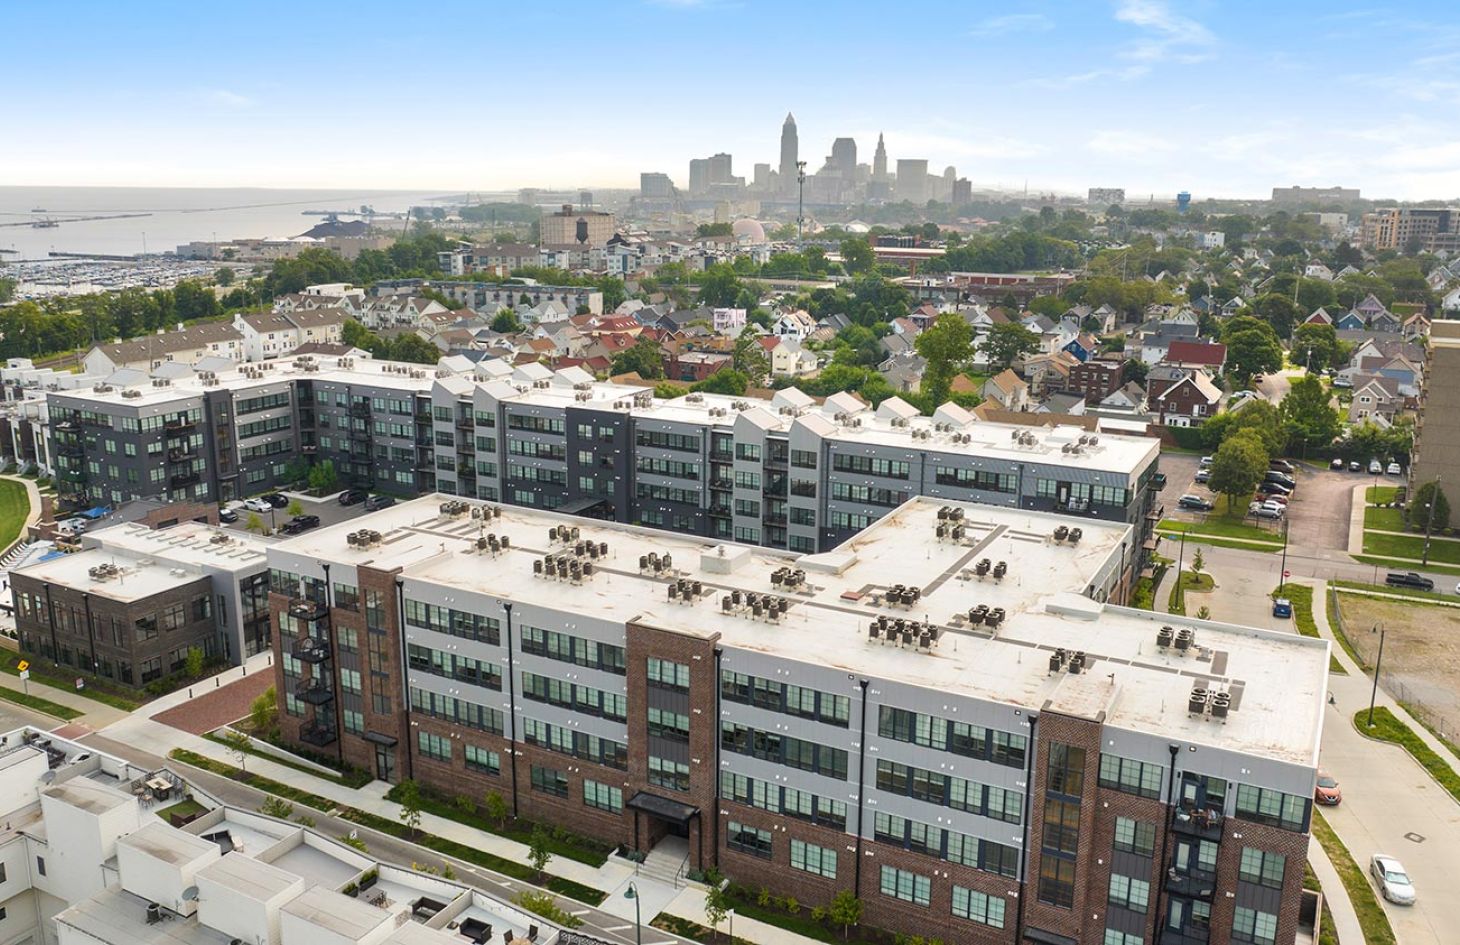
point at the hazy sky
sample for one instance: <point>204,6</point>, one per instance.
<point>1219,97</point>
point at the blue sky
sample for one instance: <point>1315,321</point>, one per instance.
<point>1220,98</point>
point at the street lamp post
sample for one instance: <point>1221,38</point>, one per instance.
<point>633,893</point>
<point>1283,579</point>
<point>1378,665</point>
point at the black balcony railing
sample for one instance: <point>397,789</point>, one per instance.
<point>310,650</point>
<point>317,734</point>
<point>1198,822</point>
<point>179,426</point>
<point>184,479</point>
<point>306,609</point>
<point>315,690</point>
<point>1195,882</point>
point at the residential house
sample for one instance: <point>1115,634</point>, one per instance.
<point>1188,402</point>
<point>1095,379</point>
<point>1316,270</point>
<point>904,372</point>
<point>1450,301</point>
<point>1070,404</point>
<point>1008,390</point>
<point>1352,320</point>
<point>1376,398</point>
<point>1320,316</point>
<point>728,321</point>
<point>1128,398</point>
<point>1385,322</point>
<point>694,366</point>
<point>1207,355</point>
<point>1047,373</point>
<point>185,345</point>
<point>786,356</point>
<point>794,323</point>
<point>1083,346</point>
<point>1150,342</point>
<point>1370,307</point>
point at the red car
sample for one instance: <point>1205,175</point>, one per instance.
<point>1327,792</point>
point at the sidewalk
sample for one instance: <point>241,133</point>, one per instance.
<point>94,714</point>
<point>1402,598</point>
<point>1357,504</point>
<point>1336,901</point>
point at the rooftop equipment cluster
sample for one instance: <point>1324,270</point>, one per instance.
<point>1067,535</point>
<point>1074,663</point>
<point>364,538</point>
<point>902,632</point>
<point>755,606</point>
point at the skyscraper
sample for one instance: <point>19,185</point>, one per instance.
<point>788,153</point>
<point>912,180</point>
<point>844,157</point>
<point>879,160</point>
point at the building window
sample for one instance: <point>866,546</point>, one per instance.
<point>1065,773</point>
<point>1134,836</point>
<point>435,747</point>
<point>1131,776</point>
<point>747,839</point>
<point>603,797</point>
<point>1249,925</point>
<point>480,759</point>
<point>1274,808</point>
<point>549,781</point>
<point>1117,937</point>
<point>909,887</point>
<point>978,907</point>
<point>668,774</point>
<point>666,724</point>
<point>1057,881</point>
<point>820,861</point>
<point>667,675</point>
<point>40,865</point>
<point>1133,894</point>
<point>1262,867</point>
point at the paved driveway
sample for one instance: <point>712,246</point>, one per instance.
<point>1318,515</point>
<point>328,509</point>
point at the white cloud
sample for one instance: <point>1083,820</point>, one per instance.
<point>1169,36</point>
<point>1123,74</point>
<point>1129,144</point>
<point>1013,23</point>
<point>226,98</point>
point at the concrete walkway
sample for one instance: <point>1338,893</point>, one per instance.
<point>1417,535</point>
<point>1357,504</point>
<point>94,714</point>
<point>1336,900</point>
<point>1391,805</point>
<point>1402,598</point>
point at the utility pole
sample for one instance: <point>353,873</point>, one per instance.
<point>800,201</point>
<point>1378,665</point>
<point>1284,571</point>
<point>1424,559</point>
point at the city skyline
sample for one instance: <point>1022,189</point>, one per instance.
<point>1148,95</point>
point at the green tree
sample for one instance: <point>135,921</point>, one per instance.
<point>713,229</point>
<point>1198,562</point>
<point>238,746</point>
<point>253,523</point>
<point>724,381</point>
<point>193,662</point>
<point>408,796</point>
<point>506,322</point>
<point>1007,342</point>
<point>295,509</point>
<point>719,286</point>
<point>1252,352</point>
<point>322,477</point>
<point>224,276</point>
<point>276,807</point>
<point>263,713</point>
<point>1257,416</point>
<point>643,359</point>
<point>1238,465</point>
<point>1279,311</point>
<point>1417,512</point>
<point>539,850</point>
<point>413,348</point>
<point>947,346</point>
<point>717,902</point>
<point>495,807</point>
<point>1309,418</point>
<point>1315,346</point>
<point>845,910</point>
<point>857,255</point>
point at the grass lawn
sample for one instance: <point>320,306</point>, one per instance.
<point>1301,597</point>
<point>14,507</point>
<point>1405,566</point>
<point>1393,546</point>
<point>1327,932</point>
<point>1387,728</point>
<point>567,845</point>
<point>1221,528</point>
<point>1380,495</point>
<point>48,677</point>
<point>182,808</point>
<point>1176,603</point>
<point>1391,520</point>
<point>1437,596</point>
<point>63,712</point>
<point>355,778</point>
<point>1372,919</point>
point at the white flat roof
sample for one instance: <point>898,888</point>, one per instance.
<point>1278,680</point>
<point>139,576</point>
<point>249,877</point>
<point>167,843</point>
<point>184,543</point>
<point>337,912</point>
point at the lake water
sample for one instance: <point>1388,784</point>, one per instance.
<point>176,216</point>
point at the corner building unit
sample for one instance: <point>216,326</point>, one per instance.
<point>949,714</point>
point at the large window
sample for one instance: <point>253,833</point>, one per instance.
<point>1066,770</point>
<point>603,797</point>
<point>666,724</point>
<point>1274,808</point>
<point>813,859</point>
<point>457,623</point>
<point>480,759</point>
<point>909,887</point>
<point>978,907</point>
<point>1249,925</point>
<point>435,747</point>
<point>871,465</point>
<point>1117,937</point>
<point>793,752</point>
<point>457,710</point>
<point>1262,867</point>
<point>749,839</point>
<point>668,774</point>
<point>668,675</point>
<point>571,649</point>
<point>1057,881</point>
<point>1129,893</point>
<point>549,781</point>
<point>1131,776</point>
<point>958,793</point>
<point>1134,836</point>
<point>785,697</point>
<point>450,665</point>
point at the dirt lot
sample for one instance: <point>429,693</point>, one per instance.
<point>1421,652</point>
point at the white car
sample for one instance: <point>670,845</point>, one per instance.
<point>1375,467</point>
<point>1394,470</point>
<point>1391,879</point>
<point>1261,510</point>
<point>257,504</point>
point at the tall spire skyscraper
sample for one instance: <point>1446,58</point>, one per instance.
<point>879,160</point>
<point>788,153</point>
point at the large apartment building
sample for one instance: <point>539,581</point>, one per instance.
<point>788,473</point>
<point>1432,229</point>
<point>1436,453</point>
<point>948,714</point>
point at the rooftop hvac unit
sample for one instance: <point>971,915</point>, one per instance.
<point>1196,703</point>
<point>1221,704</point>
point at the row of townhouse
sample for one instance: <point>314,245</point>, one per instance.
<point>788,472</point>
<point>248,337</point>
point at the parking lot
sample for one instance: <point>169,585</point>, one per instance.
<point>328,509</point>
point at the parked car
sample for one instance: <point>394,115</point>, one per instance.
<point>1355,466</point>
<point>1327,791</point>
<point>1392,880</point>
<point>1273,488</point>
<point>1409,579</point>
<point>300,524</point>
<point>377,502</point>
<point>353,496</point>
<point>1203,475</point>
<point>1375,467</point>
<point>1279,499</point>
<point>1258,510</point>
<point>1194,503</point>
<point>1205,462</point>
<point>257,504</point>
<point>1282,607</point>
<point>227,516</point>
<point>1283,466</point>
<point>1282,479</point>
<point>1336,465</point>
<point>1394,470</point>
<point>277,499</point>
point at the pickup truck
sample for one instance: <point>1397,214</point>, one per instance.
<point>1409,579</point>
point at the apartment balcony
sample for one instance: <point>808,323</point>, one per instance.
<point>1195,882</point>
<point>184,479</point>
<point>1156,513</point>
<point>359,410</point>
<point>726,484</point>
<point>465,423</point>
<point>71,449</point>
<point>306,609</point>
<point>72,475</point>
<point>66,426</point>
<point>317,734</point>
<point>182,455</point>
<point>1201,823</point>
<point>181,425</point>
<point>315,690</point>
<point>310,650</point>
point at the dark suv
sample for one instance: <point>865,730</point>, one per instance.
<point>1409,579</point>
<point>300,524</point>
<point>353,496</point>
<point>377,502</point>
